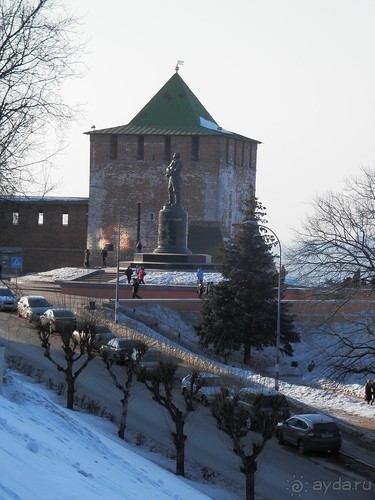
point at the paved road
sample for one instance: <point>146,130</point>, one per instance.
<point>279,468</point>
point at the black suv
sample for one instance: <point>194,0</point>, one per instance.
<point>260,406</point>
<point>310,431</point>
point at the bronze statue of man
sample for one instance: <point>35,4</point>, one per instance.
<point>173,173</point>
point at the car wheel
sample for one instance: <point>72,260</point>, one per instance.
<point>301,447</point>
<point>115,360</point>
<point>280,438</point>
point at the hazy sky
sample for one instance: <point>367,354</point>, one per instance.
<point>297,75</point>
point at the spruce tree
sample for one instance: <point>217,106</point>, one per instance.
<point>241,310</point>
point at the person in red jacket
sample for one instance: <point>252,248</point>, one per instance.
<point>141,275</point>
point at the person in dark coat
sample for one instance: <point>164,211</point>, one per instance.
<point>128,273</point>
<point>369,392</point>
<point>103,255</point>
<point>86,260</point>
<point>138,246</point>
<point>135,289</point>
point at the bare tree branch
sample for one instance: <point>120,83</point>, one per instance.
<point>37,55</point>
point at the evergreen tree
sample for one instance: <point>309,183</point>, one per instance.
<point>241,310</point>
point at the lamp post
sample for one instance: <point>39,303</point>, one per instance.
<point>97,186</point>
<point>278,319</point>
<point>117,271</point>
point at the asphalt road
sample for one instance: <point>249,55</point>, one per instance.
<point>281,470</point>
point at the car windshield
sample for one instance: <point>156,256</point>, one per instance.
<point>5,292</point>
<point>38,303</point>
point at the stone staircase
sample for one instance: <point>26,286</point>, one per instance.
<point>100,276</point>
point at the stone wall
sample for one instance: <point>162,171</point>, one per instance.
<point>43,241</point>
<point>123,186</point>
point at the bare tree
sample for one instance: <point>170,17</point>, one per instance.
<point>130,363</point>
<point>161,384</point>
<point>72,355</point>
<point>352,348</point>
<point>37,55</point>
<point>336,243</point>
<point>232,419</point>
<point>336,247</point>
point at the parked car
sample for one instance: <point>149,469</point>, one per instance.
<point>59,320</point>
<point>32,306</point>
<point>148,362</point>
<point>119,349</point>
<point>311,431</point>
<point>100,336</point>
<point>205,386</point>
<point>8,301</point>
<point>260,405</point>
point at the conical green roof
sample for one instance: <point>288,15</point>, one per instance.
<point>174,110</point>
<point>174,104</point>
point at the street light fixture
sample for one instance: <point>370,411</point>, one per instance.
<point>277,362</point>
<point>97,186</point>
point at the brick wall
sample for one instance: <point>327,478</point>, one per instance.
<point>46,245</point>
<point>213,190</point>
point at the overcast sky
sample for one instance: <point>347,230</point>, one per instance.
<point>297,75</point>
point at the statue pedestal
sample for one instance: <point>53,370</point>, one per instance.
<point>172,230</point>
<point>172,251</point>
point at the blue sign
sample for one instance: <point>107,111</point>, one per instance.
<point>17,262</point>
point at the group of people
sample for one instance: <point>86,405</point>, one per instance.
<point>137,280</point>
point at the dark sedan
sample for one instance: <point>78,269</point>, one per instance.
<point>58,320</point>
<point>119,349</point>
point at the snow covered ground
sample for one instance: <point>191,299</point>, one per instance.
<point>64,455</point>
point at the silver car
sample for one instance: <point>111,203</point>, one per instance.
<point>310,431</point>
<point>8,301</point>
<point>204,386</point>
<point>32,306</point>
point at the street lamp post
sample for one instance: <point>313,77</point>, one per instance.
<point>97,186</point>
<point>117,271</point>
<point>278,318</point>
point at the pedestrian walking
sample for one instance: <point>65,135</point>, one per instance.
<point>86,261</point>
<point>128,273</point>
<point>103,255</point>
<point>141,275</point>
<point>200,275</point>
<point>200,290</point>
<point>138,246</point>
<point>135,289</point>
<point>208,288</point>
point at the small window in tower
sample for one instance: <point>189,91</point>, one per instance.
<point>195,148</point>
<point>65,219</point>
<point>113,148</point>
<point>167,148</point>
<point>141,148</point>
<point>40,218</point>
<point>15,218</point>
